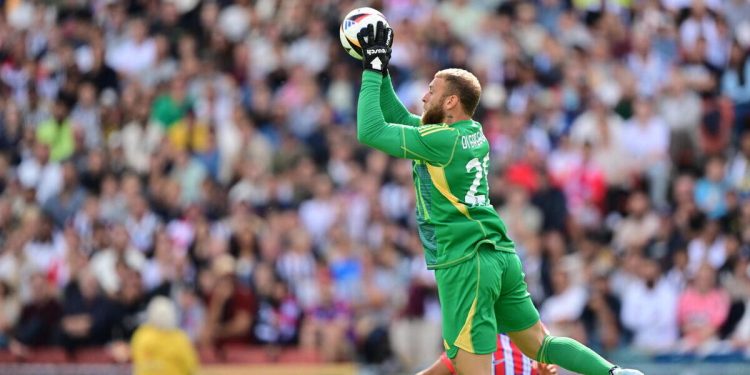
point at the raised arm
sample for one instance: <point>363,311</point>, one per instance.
<point>432,143</point>
<point>393,110</point>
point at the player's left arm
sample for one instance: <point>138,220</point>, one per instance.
<point>393,110</point>
<point>432,143</point>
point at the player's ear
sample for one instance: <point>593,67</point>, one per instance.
<point>451,101</point>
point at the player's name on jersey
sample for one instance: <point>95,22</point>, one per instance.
<point>472,140</point>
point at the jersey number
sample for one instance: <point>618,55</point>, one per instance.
<point>481,171</point>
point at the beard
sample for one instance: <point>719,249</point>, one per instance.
<point>433,115</point>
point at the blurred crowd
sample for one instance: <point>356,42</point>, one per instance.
<point>206,152</point>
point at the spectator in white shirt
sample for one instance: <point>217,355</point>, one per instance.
<point>702,25</point>
<point>649,310</point>
<point>647,66</point>
<point>708,247</point>
<point>141,224</point>
<point>586,128</point>
<point>140,139</point>
<point>136,53</point>
<point>46,251</point>
<point>561,311</point>
<point>319,213</point>
<point>104,263</point>
<point>86,116</point>
<point>38,172</point>
<point>645,138</point>
<point>738,168</point>
<point>682,110</point>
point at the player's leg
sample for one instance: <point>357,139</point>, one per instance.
<point>468,292</point>
<point>565,352</point>
<point>518,317</point>
<point>470,364</point>
<point>443,366</point>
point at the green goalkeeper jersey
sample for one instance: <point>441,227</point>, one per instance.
<point>450,165</point>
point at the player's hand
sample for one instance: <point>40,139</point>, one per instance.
<point>376,47</point>
<point>546,369</point>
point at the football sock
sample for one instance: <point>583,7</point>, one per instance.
<point>573,356</point>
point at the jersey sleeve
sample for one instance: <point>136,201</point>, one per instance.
<point>434,144</point>
<point>393,110</point>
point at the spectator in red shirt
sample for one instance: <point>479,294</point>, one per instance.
<point>39,318</point>
<point>230,306</point>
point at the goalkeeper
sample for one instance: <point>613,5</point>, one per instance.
<point>479,276</point>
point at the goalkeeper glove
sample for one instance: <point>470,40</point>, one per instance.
<point>376,47</point>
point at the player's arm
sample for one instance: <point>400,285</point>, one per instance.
<point>393,110</point>
<point>432,143</point>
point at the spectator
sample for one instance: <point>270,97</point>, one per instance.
<point>649,310</point>
<point>735,85</point>
<point>88,316</point>
<point>701,310</point>
<point>601,316</point>
<point>41,174</point>
<point>230,306</point>
<point>105,263</point>
<point>142,224</point>
<point>598,119</point>
<point>738,169</point>
<point>8,313</point>
<point>646,141</point>
<point>711,191</point>
<point>140,138</point>
<point>708,247</point>
<point>46,251</point>
<point>57,132</point>
<point>320,212</point>
<point>38,322</point>
<point>326,324</point>
<point>62,206</point>
<point>85,116</point>
<point>135,54</point>
<point>279,315</point>
<point>561,311</point>
<point>172,106</point>
<point>159,346</point>
<point>681,109</point>
<point>639,227</point>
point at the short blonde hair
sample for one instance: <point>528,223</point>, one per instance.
<point>465,85</point>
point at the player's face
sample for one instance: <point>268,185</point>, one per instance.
<point>433,102</point>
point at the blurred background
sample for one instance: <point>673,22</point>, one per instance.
<point>205,151</point>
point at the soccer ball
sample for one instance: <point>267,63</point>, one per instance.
<point>353,23</point>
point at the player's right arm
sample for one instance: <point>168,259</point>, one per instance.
<point>393,110</point>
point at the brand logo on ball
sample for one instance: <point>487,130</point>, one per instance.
<point>348,24</point>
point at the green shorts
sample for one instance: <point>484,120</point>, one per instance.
<point>482,297</point>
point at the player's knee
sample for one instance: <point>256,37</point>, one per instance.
<point>529,341</point>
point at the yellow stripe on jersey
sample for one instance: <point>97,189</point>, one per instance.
<point>433,131</point>
<point>464,339</point>
<point>425,128</point>
<point>437,174</point>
